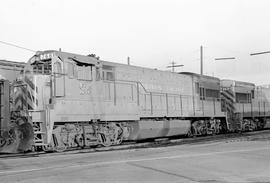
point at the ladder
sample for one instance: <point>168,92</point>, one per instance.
<point>39,127</point>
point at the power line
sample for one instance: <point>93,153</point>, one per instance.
<point>10,44</point>
<point>259,53</point>
<point>225,58</point>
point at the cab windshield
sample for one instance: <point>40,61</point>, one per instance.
<point>42,67</point>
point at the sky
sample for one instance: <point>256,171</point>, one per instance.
<point>153,33</point>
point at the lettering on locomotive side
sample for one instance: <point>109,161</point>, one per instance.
<point>152,87</point>
<point>85,89</point>
<point>46,56</point>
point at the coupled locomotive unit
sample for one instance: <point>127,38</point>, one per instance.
<point>64,100</point>
<point>247,105</point>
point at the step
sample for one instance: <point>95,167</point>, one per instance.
<point>40,144</point>
<point>38,141</point>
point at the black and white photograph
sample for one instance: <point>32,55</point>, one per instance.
<point>134,91</point>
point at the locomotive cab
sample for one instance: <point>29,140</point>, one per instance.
<point>49,74</point>
<point>57,81</point>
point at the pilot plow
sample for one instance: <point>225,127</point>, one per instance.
<point>18,138</point>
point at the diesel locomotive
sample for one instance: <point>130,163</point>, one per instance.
<point>63,100</point>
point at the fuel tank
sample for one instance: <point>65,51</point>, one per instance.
<point>145,129</point>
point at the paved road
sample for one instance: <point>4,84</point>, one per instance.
<point>245,161</point>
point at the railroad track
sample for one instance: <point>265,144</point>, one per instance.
<point>256,135</point>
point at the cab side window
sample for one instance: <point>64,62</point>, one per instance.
<point>98,76</point>
<point>202,93</point>
<point>197,87</point>
<point>108,73</point>
<point>57,69</point>
<point>85,72</point>
<point>71,70</point>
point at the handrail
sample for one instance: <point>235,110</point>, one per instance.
<point>40,110</point>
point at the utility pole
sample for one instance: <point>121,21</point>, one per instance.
<point>173,65</point>
<point>201,58</point>
<point>128,60</point>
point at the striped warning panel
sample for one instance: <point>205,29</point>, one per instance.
<point>228,98</point>
<point>228,105</point>
<point>25,93</point>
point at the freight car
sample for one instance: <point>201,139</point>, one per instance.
<point>72,100</point>
<point>10,69</point>
<point>4,105</point>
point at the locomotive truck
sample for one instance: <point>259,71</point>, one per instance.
<point>64,100</point>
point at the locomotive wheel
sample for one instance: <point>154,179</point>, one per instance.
<point>2,141</point>
<point>190,133</point>
<point>60,148</point>
<point>119,140</point>
<point>79,140</point>
<point>106,142</point>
